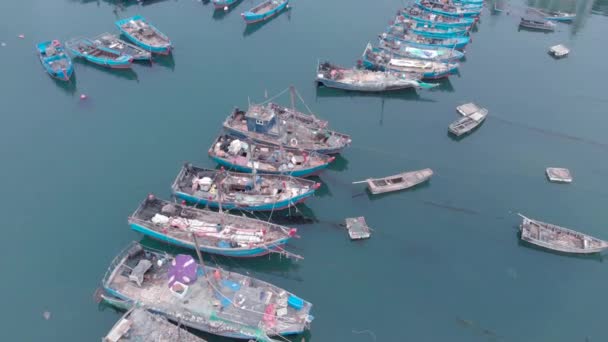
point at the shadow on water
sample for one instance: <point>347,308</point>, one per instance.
<point>339,164</point>
<point>444,85</point>
<point>127,74</point>
<point>253,28</point>
<point>219,14</point>
<point>167,61</point>
<point>68,87</point>
<point>525,244</point>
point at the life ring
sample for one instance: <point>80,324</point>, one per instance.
<point>293,142</point>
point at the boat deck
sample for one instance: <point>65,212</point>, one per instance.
<point>559,175</point>
<point>140,325</point>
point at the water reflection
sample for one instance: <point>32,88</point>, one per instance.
<point>68,87</point>
<point>127,74</point>
<point>167,61</point>
<point>339,164</point>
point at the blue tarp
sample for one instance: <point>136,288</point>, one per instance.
<point>295,302</point>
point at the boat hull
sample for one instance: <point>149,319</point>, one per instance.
<point>123,302</point>
<point>425,75</point>
<point>464,22</point>
<point>261,207</point>
<point>157,49</point>
<point>422,31</point>
<point>297,173</point>
<point>467,13</point>
<point>252,18</point>
<point>364,88</point>
<point>229,252</point>
<point>562,250</point>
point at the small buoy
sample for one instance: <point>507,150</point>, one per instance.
<point>46,315</point>
<point>286,6</point>
<point>83,96</point>
<point>3,44</point>
<point>21,36</point>
<point>225,8</point>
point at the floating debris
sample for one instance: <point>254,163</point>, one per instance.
<point>559,51</point>
<point>21,36</point>
<point>83,96</point>
<point>559,175</point>
<point>357,228</point>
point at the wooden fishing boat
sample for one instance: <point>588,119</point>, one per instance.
<point>334,76</point>
<point>435,20</point>
<point>559,16</point>
<point>264,11</point>
<point>397,182</point>
<point>429,30</point>
<point>138,325</point>
<point>468,2</point>
<point>202,297</point>
<point>472,116</point>
<point>558,238</point>
<point>536,23</point>
<point>224,4</point>
<point>217,233</point>
<point>404,49</point>
<point>98,54</point>
<point>376,59</point>
<point>403,34</point>
<point>449,10</point>
<point>111,41</point>
<point>55,60</point>
<point>268,124</point>
<point>243,155</point>
<point>233,190</point>
<point>144,35</point>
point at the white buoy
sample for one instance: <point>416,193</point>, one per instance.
<point>83,96</point>
<point>225,8</point>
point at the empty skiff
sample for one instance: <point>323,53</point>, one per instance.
<point>397,182</point>
<point>559,239</point>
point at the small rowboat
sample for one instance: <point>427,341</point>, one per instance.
<point>144,34</point>
<point>55,60</point>
<point>98,54</point>
<point>472,116</point>
<point>403,34</point>
<point>537,23</point>
<point>243,155</point>
<point>397,182</point>
<point>558,238</point>
<point>233,190</point>
<point>111,41</point>
<point>264,11</point>
<point>435,20</point>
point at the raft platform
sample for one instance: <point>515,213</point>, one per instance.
<point>358,228</point>
<point>559,51</point>
<point>559,175</point>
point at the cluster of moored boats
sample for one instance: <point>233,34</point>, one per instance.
<point>271,147</point>
<point>424,42</point>
<point>107,49</point>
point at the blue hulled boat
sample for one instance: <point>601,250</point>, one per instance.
<point>145,35</point>
<point>449,9</point>
<point>441,33</point>
<point>404,49</point>
<point>468,2</point>
<point>55,60</point>
<point>377,59</point>
<point>98,54</point>
<point>435,20</point>
<point>264,11</point>
<point>203,297</point>
<point>217,233</point>
<point>233,190</point>
<point>243,155</point>
<point>223,4</point>
<point>401,33</point>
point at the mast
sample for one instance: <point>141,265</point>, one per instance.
<point>198,252</point>
<point>292,96</point>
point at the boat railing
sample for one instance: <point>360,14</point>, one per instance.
<point>118,259</point>
<point>178,178</point>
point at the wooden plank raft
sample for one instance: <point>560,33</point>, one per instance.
<point>358,228</point>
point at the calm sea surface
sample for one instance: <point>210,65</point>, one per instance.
<point>444,262</point>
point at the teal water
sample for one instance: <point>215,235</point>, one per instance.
<point>444,262</point>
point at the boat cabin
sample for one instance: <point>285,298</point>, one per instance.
<point>261,119</point>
